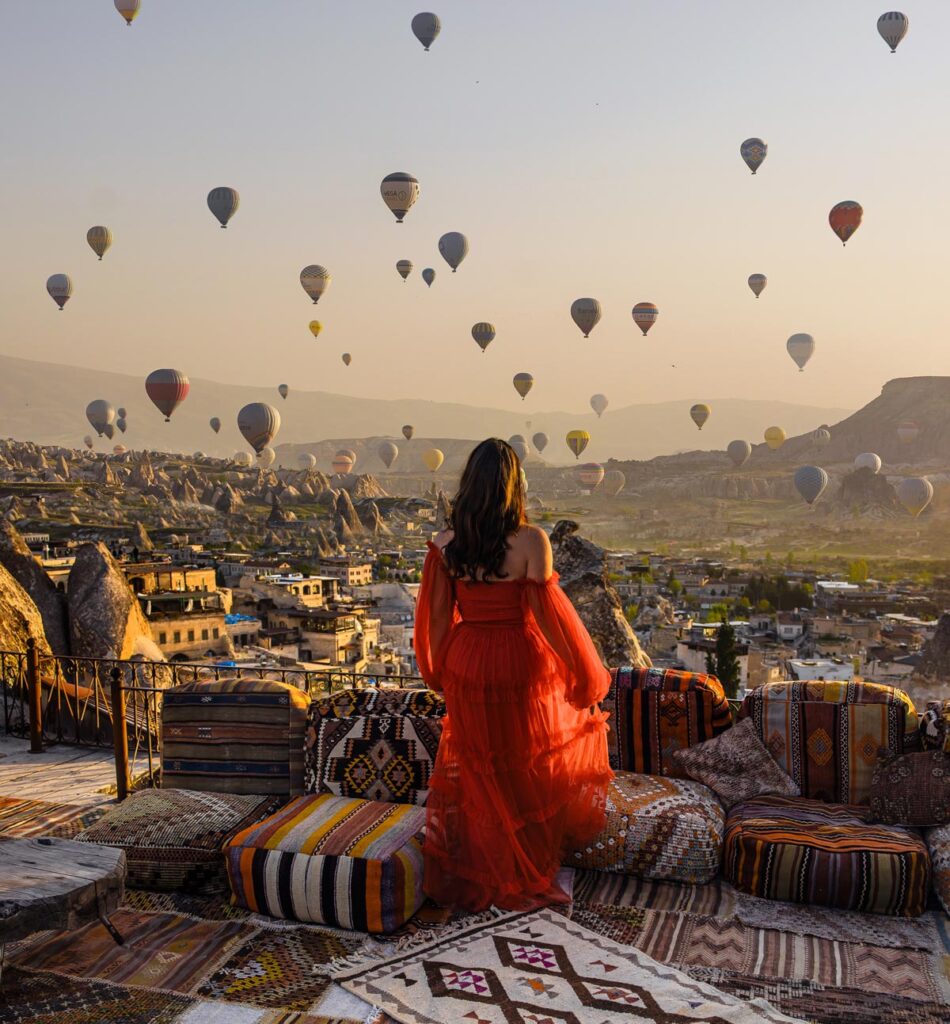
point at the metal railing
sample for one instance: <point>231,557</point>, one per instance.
<point>101,702</point>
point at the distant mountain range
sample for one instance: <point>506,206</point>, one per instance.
<point>46,402</point>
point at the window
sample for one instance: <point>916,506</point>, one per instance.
<point>204,634</point>
<point>191,635</point>
<point>214,632</point>
<point>162,638</point>
<point>176,637</point>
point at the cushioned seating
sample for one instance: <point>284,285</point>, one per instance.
<point>172,837</point>
<point>331,860</point>
<point>938,844</point>
<point>827,735</point>
<point>807,851</point>
<point>375,744</point>
<point>234,736</point>
<point>657,828</point>
<point>656,711</point>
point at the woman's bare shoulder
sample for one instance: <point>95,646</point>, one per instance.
<point>531,538</point>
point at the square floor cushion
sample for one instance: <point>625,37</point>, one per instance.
<point>173,837</point>
<point>657,828</point>
<point>331,860</point>
<point>808,851</point>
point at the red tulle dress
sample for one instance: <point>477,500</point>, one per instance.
<point>522,768</point>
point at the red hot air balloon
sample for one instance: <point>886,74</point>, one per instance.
<point>167,390</point>
<point>845,219</point>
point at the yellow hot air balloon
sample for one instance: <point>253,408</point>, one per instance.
<point>523,383</point>
<point>699,413</point>
<point>775,438</point>
<point>315,328</point>
<point>577,441</point>
<point>129,9</point>
<point>432,458</point>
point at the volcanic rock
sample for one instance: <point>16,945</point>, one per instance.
<point>17,558</point>
<point>21,619</point>
<point>347,513</point>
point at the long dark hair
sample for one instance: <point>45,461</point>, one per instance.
<point>488,507</point>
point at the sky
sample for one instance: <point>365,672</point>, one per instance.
<point>585,149</point>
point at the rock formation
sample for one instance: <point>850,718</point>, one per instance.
<point>935,658</point>
<point>141,539</point>
<point>654,611</point>
<point>21,619</point>
<point>583,570</point>
<point>346,512</point>
<point>17,558</point>
<point>372,520</point>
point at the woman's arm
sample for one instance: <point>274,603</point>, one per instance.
<point>435,615</point>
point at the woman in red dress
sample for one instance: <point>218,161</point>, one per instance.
<point>522,768</point>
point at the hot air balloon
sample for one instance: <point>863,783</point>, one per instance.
<point>753,151</point>
<point>99,239</point>
<point>121,423</point>
<point>645,316</point>
<point>342,464</point>
<point>399,191</point>
<point>586,313</point>
<point>428,275</point>
<point>167,390</point>
<point>426,28</point>
<point>540,441</point>
<point>258,423</point>
<point>215,424</point>
<point>892,27</point>
<point>739,452</point>
<point>868,460</point>
<point>100,413</point>
<point>523,383</point>
<point>801,347</point>
<point>347,453</point>
<point>589,475</point>
<point>243,459</point>
<point>845,219</point>
<point>119,449</point>
<point>614,482</point>
<point>60,289</point>
<point>347,358</point>
<point>915,494</point>
<point>315,280</point>
<point>128,9</point>
<point>266,458</point>
<point>87,441</point>
<point>407,431</point>
<point>810,481</point>
<point>454,248</point>
<point>484,334</point>
<point>520,447</point>
<point>199,455</point>
<point>307,462</point>
<point>121,413</point>
<point>699,413</point>
<point>432,458</point>
<point>907,431</point>
<point>315,328</point>
<point>283,390</point>
<point>598,403</point>
<point>775,438</point>
<point>757,283</point>
<point>821,437</point>
<point>577,441</point>
<point>223,202</point>
<point>388,453</point>
<point>109,430</point>
<point>404,268</point>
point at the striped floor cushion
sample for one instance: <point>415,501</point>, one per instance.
<point>657,828</point>
<point>331,860</point>
<point>807,851</point>
<point>173,837</point>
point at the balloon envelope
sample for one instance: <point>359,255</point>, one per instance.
<point>121,423</point>
<point>266,458</point>
<point>892,27</point>
<point>599,404</point>
<point>87,441</point>
<point>907,432</point>
<point>484,334</point>
<point>348,453</point>
<point>243,459</point>
<point>753,151</point>
<point>757,283</point>
<point>388,453</point>
<point>223,202</point>
<point>520,447</point>
<point>100,413</point>
<point>428,275</point>
<point>614,482</point>
<point>589,474</point>
<point>404,268</point>
<point>99,239</point>
<point>540,441</point>
<point>739,452</point>
<point>868,460</point>
<point>342,464</point>
<point>801,347</point>
<point>258,423</point>
<point>523,383</point>
<point>454,248</point>
<point>407,431</point>
<point>586,313</point>
<point>128,9</point>
<point>699,413</point>
<point>283,390</point>
<point>821,437</point>
<point>315,328</point>
<point>577,441</point>
<point>915,494</point>
<point>109,430</point>
<point>432,458</point>
<point>347,358</point>
<point>215,424</point>
<point>167,389</point>
<point>315,280</point>
<point>810,481</point>
<point>845,219</point>
<point>399,191</point>
<point>426,28</point>
<point>645,316</point>
<point>60,289</point>
<point>775,438</point>
<point>306,461</point>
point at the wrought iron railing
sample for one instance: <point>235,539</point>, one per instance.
<point>102,702</point>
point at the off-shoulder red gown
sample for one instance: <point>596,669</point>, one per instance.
<point>522,767</point>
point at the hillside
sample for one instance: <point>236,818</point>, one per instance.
<point>45,402</point>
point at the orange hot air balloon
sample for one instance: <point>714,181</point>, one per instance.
<point>645,315</point>
<point>845,219</point>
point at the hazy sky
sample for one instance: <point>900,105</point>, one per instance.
<point>584,148</point>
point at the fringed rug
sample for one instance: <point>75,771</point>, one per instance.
<point>539,967</point>
<point>23,818</point>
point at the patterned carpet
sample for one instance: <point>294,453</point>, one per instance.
<point>22,818</point>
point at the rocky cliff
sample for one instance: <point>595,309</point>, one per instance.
<point>17,558</point>
<point>20,619</point>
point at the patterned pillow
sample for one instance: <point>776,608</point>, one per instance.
<point>736,765</point>
<point>938,843</point>
<point>912,789</point>
<point>935,726</point>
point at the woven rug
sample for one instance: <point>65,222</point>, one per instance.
<point>41,818</point>
<point>539,967</point>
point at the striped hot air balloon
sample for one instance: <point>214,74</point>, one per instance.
<point>699,413</point>
<point>388,453</point>
<point>167,390</point>
<point>223,202</point>
<point>60,289</point>
<point>342,464</point>
<point>484,334</point>
<point>586,313</point>
<point>739,452</point>
<point>399,191</point>
<point>614,482</point>
<point>577,441</point>
<point>589,475</point>
<point>645,315</point>
<point>892,27</point>
<point>99,239</point>
<point>757,283</point>
<point>258,423</point>
<point>523,383</point>
<point>129,9</point>
<point>810,482</point>
<point>404,268</point>
<point>315,280</point>
<point>915,493</point>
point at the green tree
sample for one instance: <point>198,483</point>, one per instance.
<point>676,588</point>
<point>717,613</point>
<point>858,571</point>
<point>723,663</point>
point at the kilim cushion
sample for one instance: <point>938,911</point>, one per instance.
<point>331,860</point>
<point>173,837</point>
<point>938,843</point>
<point>935,726</point>
<point>912,789</point>
<point>657,828</point>
<point>736,766</point>
<point>234,736</point>
<point>807,851</point>
<point>656,711</point>
<point>375,744</point>
<point>827,735</point>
